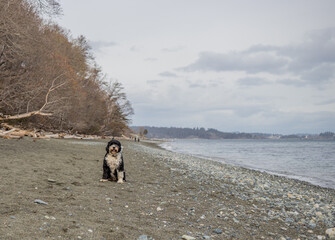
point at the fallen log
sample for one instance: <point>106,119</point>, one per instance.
<point>24,115</point>
<point>11,132</point>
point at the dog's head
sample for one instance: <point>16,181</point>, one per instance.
<point>113,147</point>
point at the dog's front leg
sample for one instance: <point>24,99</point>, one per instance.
<point>106,173</point>
<point>113,175</point>
<point>120,176</point>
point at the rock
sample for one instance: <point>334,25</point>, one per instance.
<point>159,209</point>
<point>289,195</point>
<point>144,237</point>
<point>186,237</point>
<point>330,232</point>
<point>38,201</point>
<point>217,231</point>
<point>51,180</point>
<point>312,224</point>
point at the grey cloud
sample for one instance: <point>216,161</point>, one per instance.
<point>168,74</point>
<point>173,49</point>
<point>321,73</point>
<point>331,101</point>
<point>291,82</point>
<point>252,62</point>
<point>150,59</point>
<point>318,48</point>
<point>248,116</point>
<point>312,61</point>
<point>134,49</point>
<point>98,45</point>
<point>248,111</point>
<point>261,48</point>
<point>305,122</point>
<point>202,84</point>
<point>154,82</point>
<point>253,81</point>
<point>197,85</point>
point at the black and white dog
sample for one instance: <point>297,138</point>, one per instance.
<point>113,167</point>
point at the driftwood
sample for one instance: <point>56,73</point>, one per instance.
<point>10,132</point>
<point>24,115</point>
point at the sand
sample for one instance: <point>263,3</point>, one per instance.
<point>50,189</point>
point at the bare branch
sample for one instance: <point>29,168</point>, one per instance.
<point>40,111</point>
<point>52,88</point>
<point>24,115</point>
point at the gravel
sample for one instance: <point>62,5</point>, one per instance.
<point>305,210</point>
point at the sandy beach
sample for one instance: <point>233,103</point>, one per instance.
<point>50,189</point>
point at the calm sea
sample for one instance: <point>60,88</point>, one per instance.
<point>308,160</point>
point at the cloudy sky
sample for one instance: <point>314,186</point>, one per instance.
<point>234,65</point>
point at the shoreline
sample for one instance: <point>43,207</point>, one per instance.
<point>265,183</point>
<point>203,160</point>
<point>313,181</point>
<point>167,196</point>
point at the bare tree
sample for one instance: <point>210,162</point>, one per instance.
<point>119,110</point>
<point>43,72</point>
<point>50,7</point>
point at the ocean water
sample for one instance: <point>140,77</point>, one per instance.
<point>307,160</point>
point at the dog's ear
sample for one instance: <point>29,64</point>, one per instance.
<point>107,147</point>
<point>119,144</point>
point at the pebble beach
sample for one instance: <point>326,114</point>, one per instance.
<point>51,190</point>
<point>305,210</point>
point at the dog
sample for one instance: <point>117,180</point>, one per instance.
<point>113,166</point>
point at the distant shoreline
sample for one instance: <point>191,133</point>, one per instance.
<point>210,133</point>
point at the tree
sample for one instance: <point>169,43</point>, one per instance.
<point>52,79</point>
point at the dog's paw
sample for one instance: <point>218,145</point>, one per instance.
<point>103,180</point>
<point>120,181</point>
